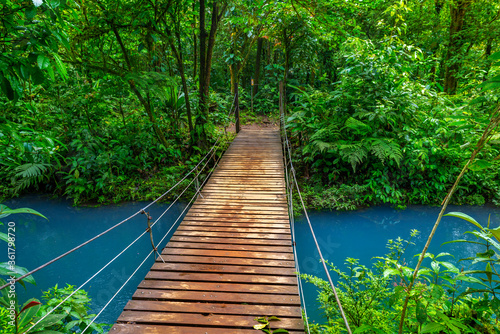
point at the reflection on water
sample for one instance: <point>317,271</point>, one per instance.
<point>363,234</point>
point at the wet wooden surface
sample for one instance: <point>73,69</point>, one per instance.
<point>231,259</point>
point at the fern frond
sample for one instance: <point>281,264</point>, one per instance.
<point>29,174</point>
<point>354,153</point>
<point>322,146</point>
<point>357,126</point>
<point>386,149</point>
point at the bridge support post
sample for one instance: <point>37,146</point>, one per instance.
<point>237,108</point>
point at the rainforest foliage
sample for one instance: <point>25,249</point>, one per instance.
<point>113,100</point>
<point>385,98</point>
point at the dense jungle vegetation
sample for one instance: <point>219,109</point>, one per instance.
<point>112,100</point>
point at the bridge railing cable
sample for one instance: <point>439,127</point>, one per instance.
<point>159,243</point>
<point>195,168</point>
<point>292,179</point>
<point>289,190</point>
<point>133,242</point>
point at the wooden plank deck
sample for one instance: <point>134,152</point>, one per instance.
<point>231,260</point>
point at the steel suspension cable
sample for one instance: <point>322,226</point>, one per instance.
<point>159,243</point>
<point>292,225</point>
<point>294,180</point>
<point>142,234</point>
<point>133,242</point>
<point>118,224</point>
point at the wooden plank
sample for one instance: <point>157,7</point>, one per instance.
<point>185,227</point>
<point>262,289</point>
<point>227,253</point>
<point>203,320</point>
<point>131,328</point>
<point>230,260</point>
<point>217,297</point>
<point>220,246</point>
<point>233,235</point>
<point>221,268</point>
<point>214,308</point>
<point>241,209</point>
<point>238,219</point>
<point>268,224</point>
<point>233,241</point>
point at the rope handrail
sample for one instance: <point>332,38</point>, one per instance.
<point>121,222</point>
<point>287,148</point>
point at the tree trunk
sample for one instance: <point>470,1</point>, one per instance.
<point>487,53</point>
<point>147,108</point>
<point>195,46</point>
<point>256,77</point>
<point>203,50</point>
<point>206,52</point>
<point>458,11</point>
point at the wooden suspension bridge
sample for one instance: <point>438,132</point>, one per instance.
<point>231,259</point>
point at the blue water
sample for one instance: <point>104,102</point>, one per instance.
<point>360,234</point>
<point>39,240</point>
<point>363,234</point>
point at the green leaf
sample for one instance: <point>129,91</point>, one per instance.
<point>48,321</point>
<point>465,217</point>
<point>43,62</point>
<point>259,326</point>
<point>432,327</point>
<point>437,291</point>
<point>16,271</point>
<point>495,232</point>
<point>29,310</point>
<point>54,3</point>
<point>489,272</point>
<point>479,165</point>
<point>61,68</point>
<point>30,13</point>
<point>390,272</point>
<point>495,56</point>
<point>421,312</point>
<point>280,330</point>
<point>4,237</point>
<point>7,212</point>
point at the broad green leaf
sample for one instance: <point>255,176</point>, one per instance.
<point>8,212</point>
<point>16,271</point>
<point>29,310</point>
<point>4,237</point>
<point>43,62</point>
<point>259,326</point>
<point>437,291</point>
<point>479,165</point>
<point>420,312</point>
<point>391,271</point>
<point>54,3</point>
<point>465,217</point>
<point>495,232</point>
<point>48,321</point>
<point>495,56</point>
<point>280,330</point>
<point>432,327</point>
<point>489,272</point>
<point>61,68</point>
